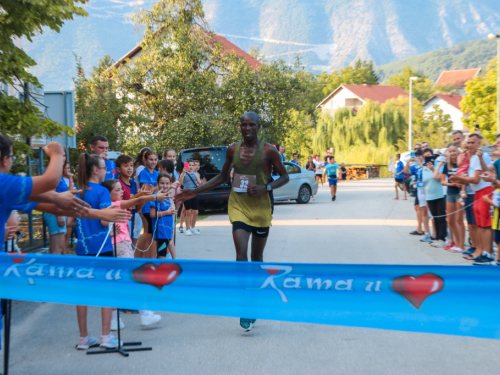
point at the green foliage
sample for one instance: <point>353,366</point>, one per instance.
<point>480,102</point>
<point>362,72</point>
<point>376,130</point>
<point>98,109</point>
<point>185,90</point>
<point>422,88</point>
<point>465,55</point>
<point>24,19</point>
<point>301,129</point>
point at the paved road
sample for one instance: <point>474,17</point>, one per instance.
<point>364,225</point>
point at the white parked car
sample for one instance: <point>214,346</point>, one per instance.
<point>301,187</point>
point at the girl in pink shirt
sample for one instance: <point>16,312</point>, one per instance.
<point>124,242</point>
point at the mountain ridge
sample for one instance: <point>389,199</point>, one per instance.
<point>328,34</point>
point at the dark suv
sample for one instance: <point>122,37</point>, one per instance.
<point>211,161</point>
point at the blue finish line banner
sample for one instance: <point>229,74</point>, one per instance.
<point>453,300</point>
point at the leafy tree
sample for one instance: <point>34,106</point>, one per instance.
<point>98,109</point>
<point>186,90</point>
<point>255,52</point>
<point>362,72</point>
<point>422,89</point>
<point>300,135</point>
<point>479,103</point>
<point>20,119</point>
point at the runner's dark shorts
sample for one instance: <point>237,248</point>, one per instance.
<point>399,180</point>
<point>191,204</point>
<point>469,211</point>
<point>416,199</point>
<point>258,232</point>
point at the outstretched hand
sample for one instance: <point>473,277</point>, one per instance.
<point>115,214</point>
<point>68,201</point>
<point>183,196</point>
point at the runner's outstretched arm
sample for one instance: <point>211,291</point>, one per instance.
<point>222,177</point>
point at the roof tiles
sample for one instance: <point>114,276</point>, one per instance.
<point>457,78</point>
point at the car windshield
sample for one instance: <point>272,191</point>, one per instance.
<point>211,161</point>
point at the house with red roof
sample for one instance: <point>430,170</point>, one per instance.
<point>226,45</point>
<point>353,96</point>
<point>457,78</point>
<point>450,105</point>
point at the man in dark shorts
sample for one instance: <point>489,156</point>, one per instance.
<point>250,202</point>
<point>399,176</point>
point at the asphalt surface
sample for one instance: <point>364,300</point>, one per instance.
<point>364,225</point>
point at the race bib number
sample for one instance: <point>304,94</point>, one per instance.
<point>241,182</point>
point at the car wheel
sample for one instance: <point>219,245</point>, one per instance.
<point>304,194</point>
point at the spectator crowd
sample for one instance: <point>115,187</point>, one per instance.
<point>457,188</point>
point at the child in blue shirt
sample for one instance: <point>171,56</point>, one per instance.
<point>149,176</point>
<point>93,240</point>
<point>163,230</point>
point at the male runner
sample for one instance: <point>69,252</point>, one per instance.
<point>250,212</point>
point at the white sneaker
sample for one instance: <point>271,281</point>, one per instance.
<point>114,324</point>
<point>189,232</point>
<point>196,231</point>
<point>150,318</point>
<point>438,243</point>
<point>109,342</point>
<point>456,249</point>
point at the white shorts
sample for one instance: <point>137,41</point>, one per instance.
<point>137,226</point>
<point>421,197</point>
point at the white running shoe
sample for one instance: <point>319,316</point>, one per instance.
<point>150,318</point>
<point>456,249</point>
<point>114,324</point>
<point>109,342</point>
<point>189,232</point>
<point>86,342</point>
<point>196,231</point>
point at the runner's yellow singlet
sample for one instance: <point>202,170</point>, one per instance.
<point>254,211</point>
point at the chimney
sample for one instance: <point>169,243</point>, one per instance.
<point>366,84</point>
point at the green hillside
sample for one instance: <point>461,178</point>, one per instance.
<point>474,54</point>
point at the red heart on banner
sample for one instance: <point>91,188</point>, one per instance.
<point>273,272</point>
<point>157,275</point>
<point>15,259</point>
<point>415,289</point>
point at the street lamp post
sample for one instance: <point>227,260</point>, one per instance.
<point>411,112</point>
<point>497,37</point>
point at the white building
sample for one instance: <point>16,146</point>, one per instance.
<point>353,96</point>
<point>450,105</point>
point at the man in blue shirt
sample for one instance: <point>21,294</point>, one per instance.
<point>282,153</point>
<point>100,146</point>
<point>331,172</point>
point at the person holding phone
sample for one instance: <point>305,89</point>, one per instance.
<point>453,207</point>
<point>434,197</point>
<point>421,210</point>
